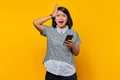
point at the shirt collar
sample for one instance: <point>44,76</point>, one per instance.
<point>62,30</point>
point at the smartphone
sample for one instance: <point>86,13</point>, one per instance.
<point>68,37</point>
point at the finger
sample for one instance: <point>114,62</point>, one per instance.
<point>67,42</point>
<point>70,41</point>
<point>56,6</point>
<point>55,10</point>
<point>68,45</point>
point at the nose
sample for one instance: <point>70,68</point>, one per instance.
<point>61,17</point>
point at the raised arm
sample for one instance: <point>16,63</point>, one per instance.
<point>38,23</point>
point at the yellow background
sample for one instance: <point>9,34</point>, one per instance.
<point>22,49</point>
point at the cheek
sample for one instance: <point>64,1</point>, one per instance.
<point>65,19</point>
<point>56,19</point>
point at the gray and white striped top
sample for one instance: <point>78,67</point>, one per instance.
<point>55,48</point>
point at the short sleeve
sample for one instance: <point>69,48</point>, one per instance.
<point>45,31</point>
<point>77,39</point>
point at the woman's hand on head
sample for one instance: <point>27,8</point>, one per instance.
<point>55,10</point>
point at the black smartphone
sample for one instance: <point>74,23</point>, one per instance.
<point>68,37</point>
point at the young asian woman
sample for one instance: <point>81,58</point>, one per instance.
<point>59,60</point>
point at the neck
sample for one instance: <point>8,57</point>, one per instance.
<point>61,27</point>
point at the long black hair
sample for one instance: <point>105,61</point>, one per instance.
<point>69,19</point>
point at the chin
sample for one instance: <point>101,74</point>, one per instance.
<point>61,26</point>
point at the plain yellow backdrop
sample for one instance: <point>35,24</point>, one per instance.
<point>22,49</point>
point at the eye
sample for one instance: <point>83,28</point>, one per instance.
<point>64,15</point>
<point>58,15</point>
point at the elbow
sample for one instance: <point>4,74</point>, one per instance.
<point>77,53</point>
<point>34,23</point>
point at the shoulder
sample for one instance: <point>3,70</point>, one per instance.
<point>73,31</point>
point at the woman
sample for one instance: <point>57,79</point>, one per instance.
<point>59,57</point>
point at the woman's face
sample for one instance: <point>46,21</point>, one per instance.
<point>61,19</point>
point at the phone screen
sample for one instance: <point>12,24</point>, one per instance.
<point>68,37</point>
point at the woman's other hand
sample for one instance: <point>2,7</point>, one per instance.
<point>75,48</point>
<point>68,43</point>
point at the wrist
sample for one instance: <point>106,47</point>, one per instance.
<point>72,45</point>
<point>52,17</point>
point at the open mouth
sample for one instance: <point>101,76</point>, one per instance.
<point>61,22</point>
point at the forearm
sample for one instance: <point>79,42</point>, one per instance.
<point>40,21</point>
<point>75,49</point>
